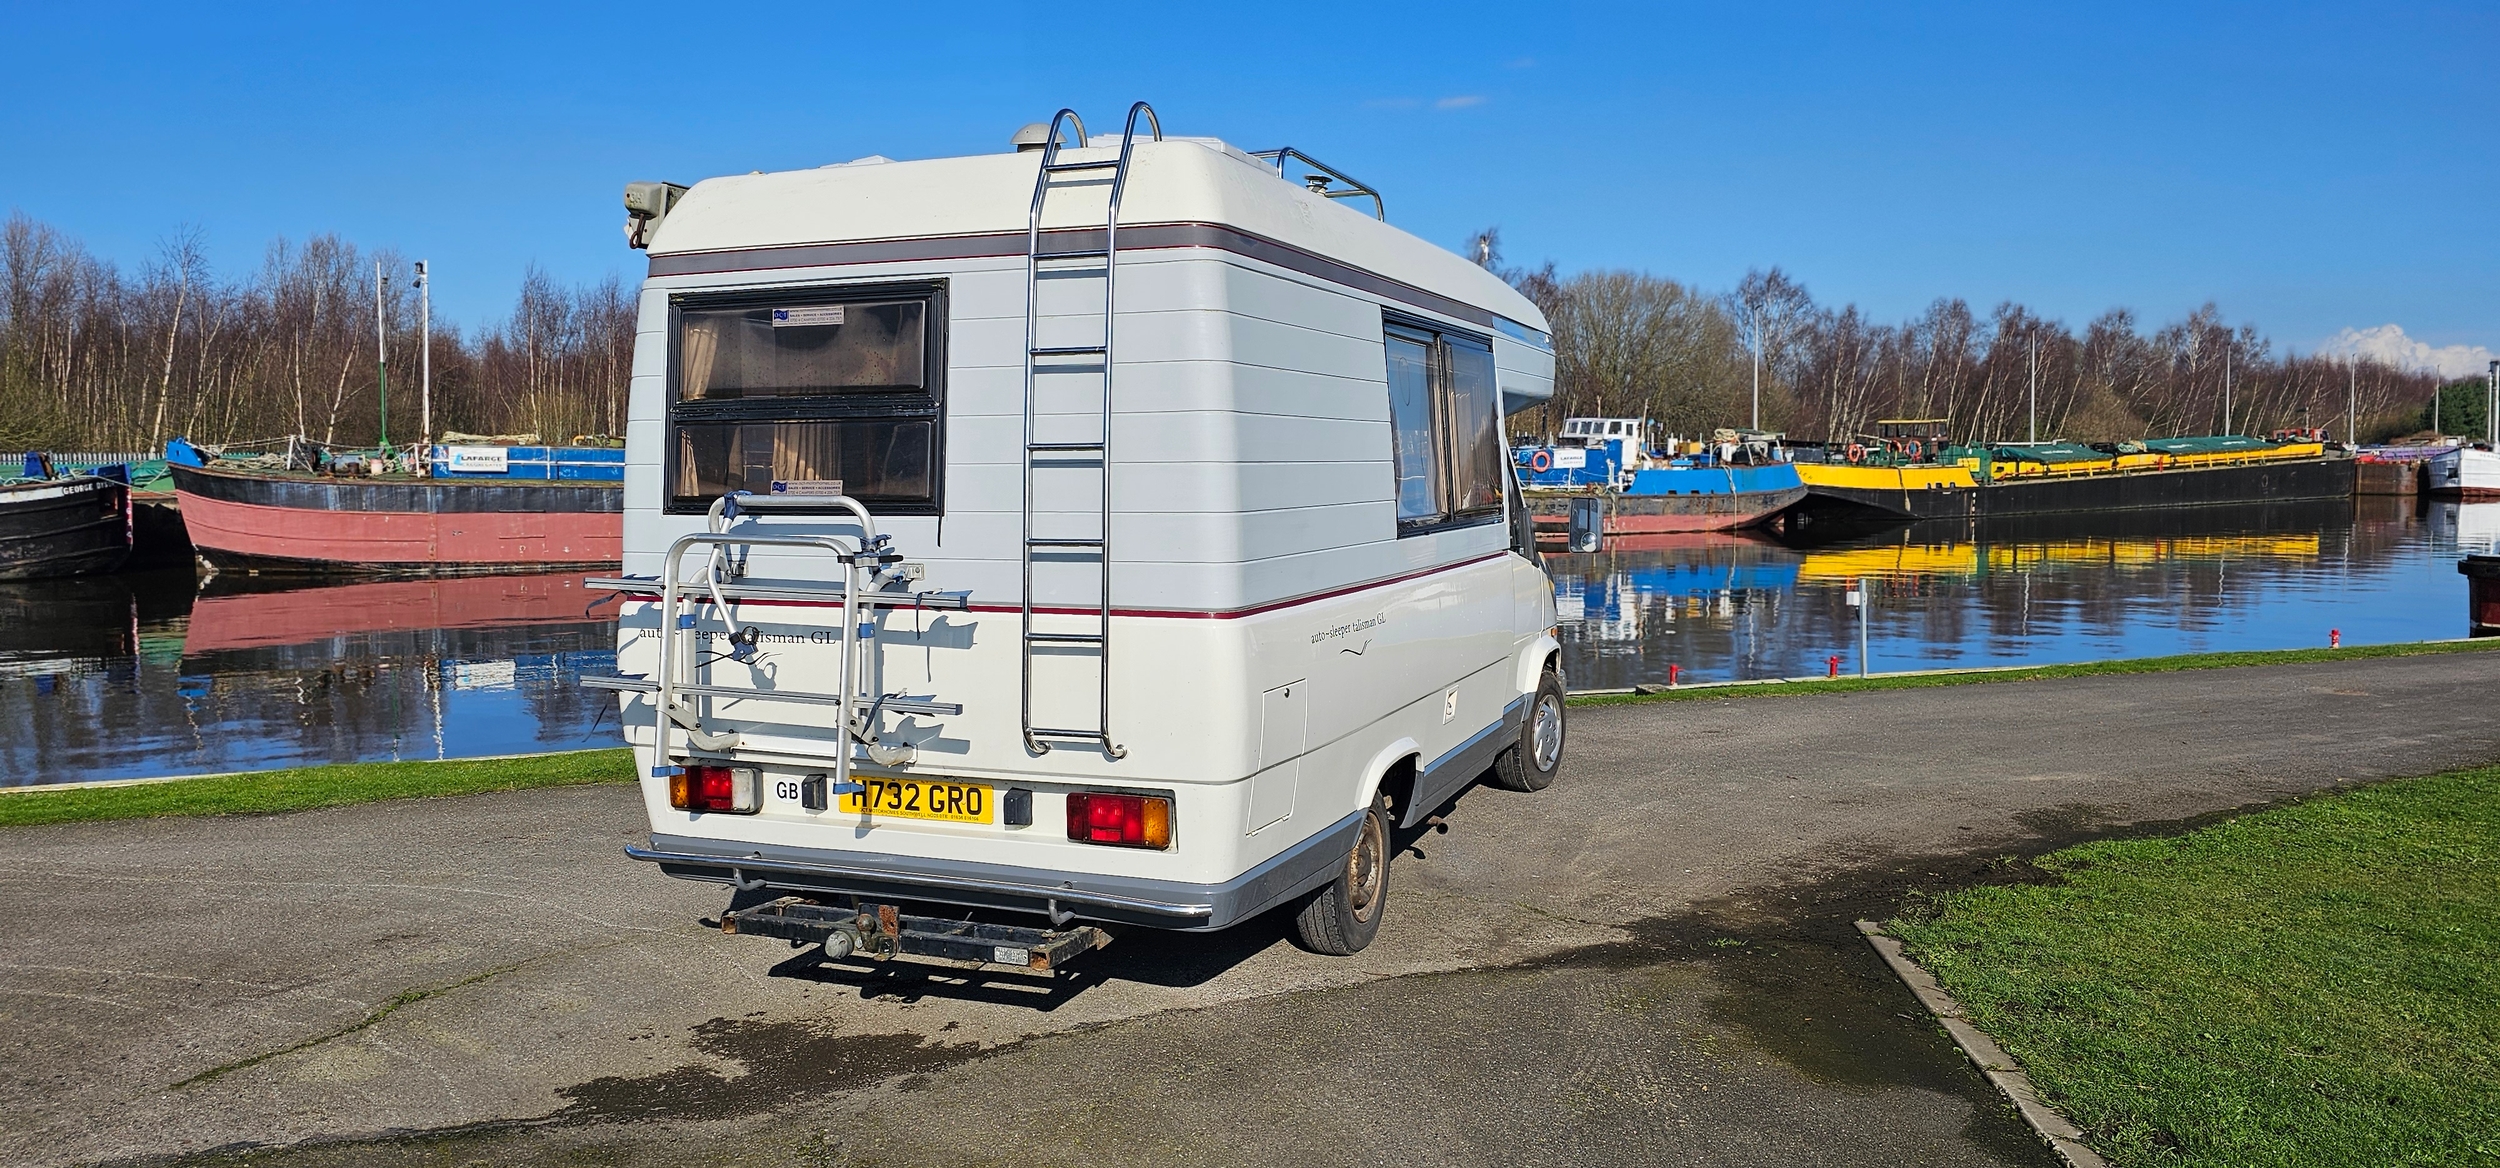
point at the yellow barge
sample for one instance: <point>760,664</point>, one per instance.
<point>1906,470</point>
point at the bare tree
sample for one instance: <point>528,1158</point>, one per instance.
<point>91,358</point>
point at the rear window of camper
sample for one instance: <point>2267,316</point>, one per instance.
<point>1445,418</point>
<point>808,385</point>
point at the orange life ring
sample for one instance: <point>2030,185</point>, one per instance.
<point>1541,461</point>
<point>1857,453</point>
<point>1912,449</point>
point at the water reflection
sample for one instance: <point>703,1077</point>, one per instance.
<point>136,675</point>
<point>2068,588</point>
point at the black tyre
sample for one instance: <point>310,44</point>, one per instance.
<point>1529,764</point>
<point>1343,917</point>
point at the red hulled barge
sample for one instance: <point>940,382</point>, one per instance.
<point>287,522</point>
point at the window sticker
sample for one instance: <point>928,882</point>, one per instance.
<point>813,316</point>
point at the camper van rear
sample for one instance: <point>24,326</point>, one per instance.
<point>1109,532</point>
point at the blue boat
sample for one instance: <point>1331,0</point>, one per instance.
<point>1738,479</point>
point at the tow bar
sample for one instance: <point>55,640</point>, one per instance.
<point>880,932</point>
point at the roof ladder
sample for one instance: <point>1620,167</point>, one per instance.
<point>1064,365</point>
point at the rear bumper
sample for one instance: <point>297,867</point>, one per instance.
<point>1162,904</point>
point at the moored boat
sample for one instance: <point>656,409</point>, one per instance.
<point>2465,472</point>
<point>1907,471</point>
<point>1672,500</point>
<point>1740,479</point>
<point>64,525</point>
<point>492,520</point>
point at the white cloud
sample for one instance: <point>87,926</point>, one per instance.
<point>2388,345</point>
<point>1462,102</point>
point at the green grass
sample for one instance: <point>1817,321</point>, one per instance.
<point>304,788</point>
<point>2040,672</point>
<point>2314,984</point>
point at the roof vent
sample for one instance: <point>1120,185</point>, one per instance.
<point>1030,137</point>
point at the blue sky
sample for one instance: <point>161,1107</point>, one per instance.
<point>2308,168</point>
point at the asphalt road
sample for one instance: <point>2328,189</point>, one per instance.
<point>1647,963</point>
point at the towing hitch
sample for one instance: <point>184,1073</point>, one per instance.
<point>881,932</point>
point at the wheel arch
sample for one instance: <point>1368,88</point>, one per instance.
<point>1534,658</point>
<point>1392,770</point>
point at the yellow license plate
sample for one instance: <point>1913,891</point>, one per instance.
<point>916,799</point>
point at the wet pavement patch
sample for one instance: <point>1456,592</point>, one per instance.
<point>785,1062</point>
<point>1789,976</point>
<point>781,1064</point>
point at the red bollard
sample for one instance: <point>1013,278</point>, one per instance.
<point>1835,663</point>
<point>1672,670</point>
<point>2335,638</point>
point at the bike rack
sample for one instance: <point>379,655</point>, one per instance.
<point>870,567</point>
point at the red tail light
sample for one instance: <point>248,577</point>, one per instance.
<point>715,788</point>
<point>1122,821</point>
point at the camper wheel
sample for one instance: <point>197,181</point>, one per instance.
<point>1529,764</point>
<point>1344,915</point>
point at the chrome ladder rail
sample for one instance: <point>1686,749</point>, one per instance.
<point>1036,452</point>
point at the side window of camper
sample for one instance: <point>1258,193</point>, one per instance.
<point>808,384</point>
<point>1445,421</point>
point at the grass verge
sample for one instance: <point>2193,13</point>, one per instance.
<point>2314,984</point>
<point>2039,672</point>
<point>304,788</point>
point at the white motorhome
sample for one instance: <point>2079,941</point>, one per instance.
<point>1105,531</point>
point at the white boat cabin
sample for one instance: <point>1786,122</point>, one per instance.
<point>1633,433</point>
<point>1109,529</point>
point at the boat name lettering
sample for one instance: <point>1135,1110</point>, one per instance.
<point>1369,622</point>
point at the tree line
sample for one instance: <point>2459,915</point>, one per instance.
<point>1633,344</point>
<point>94,357</point>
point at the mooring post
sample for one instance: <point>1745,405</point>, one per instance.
<point>1863,600</point>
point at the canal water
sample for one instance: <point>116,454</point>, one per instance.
<point>2040,591</point>
<point>141,675</point>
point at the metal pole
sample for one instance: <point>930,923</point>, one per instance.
<point>2352,403</point>
<point>382,352</point>
<point>2035,391</point>
<point>425,367</point>
<point>1757,367</point>
<point>2226,388</point>
<point>2491,405</point>
<point>1866,600</point>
